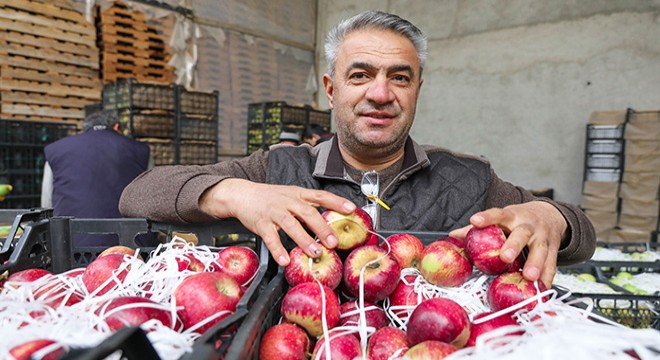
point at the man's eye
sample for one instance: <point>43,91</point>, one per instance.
<point>401,78</point>
<point>358,76</point>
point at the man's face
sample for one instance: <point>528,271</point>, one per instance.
<point>374,92</point>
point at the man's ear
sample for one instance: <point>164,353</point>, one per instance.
<point>116,127</point>
<point>327,85</point>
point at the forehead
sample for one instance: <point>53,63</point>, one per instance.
<point>377,46</point>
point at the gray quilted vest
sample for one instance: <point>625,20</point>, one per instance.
<point>439,197</point>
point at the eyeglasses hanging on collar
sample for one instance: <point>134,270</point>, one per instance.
<point>370,187</point>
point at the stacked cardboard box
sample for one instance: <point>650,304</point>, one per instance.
<point>603,160</point>
<point>640,183</point>
<point>622,175</point>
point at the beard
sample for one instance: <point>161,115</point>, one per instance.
<point>372,140</point>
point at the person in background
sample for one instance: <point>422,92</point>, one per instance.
<point>312,134</point>
<point>374,78</point>
<point>85,174</point>
<point>289,137</point>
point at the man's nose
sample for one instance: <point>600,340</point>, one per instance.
<point>379,91</point>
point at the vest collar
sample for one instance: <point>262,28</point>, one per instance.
<point>330,164</point>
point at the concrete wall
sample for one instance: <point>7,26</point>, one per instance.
<point>516,81</point>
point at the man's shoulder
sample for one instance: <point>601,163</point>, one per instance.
<point>438,151</point>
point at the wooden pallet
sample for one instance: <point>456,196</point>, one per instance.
<point>133,46</point>
<point>49,61</point>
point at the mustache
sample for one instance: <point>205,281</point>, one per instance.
<point>363,108</point>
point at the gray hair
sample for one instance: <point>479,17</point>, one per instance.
<point>105,118</point>
<point>373,20</point>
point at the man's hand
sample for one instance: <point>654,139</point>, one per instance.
<point>265,209</point>
<point>537,225</point>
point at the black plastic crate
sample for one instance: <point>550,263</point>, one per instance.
<point>198,102</point>
<point>131,94</point>
<point>197,152</point>
<point>605,131</point>
<point>46,243</point>
<point>634,311</point>
<point>266,121</point>
<point>198,127</point>
<point>147,123</point>
<point>163,151</point>
<point>17,132</point>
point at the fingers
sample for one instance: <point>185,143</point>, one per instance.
<point>313,219</point>
<point>460,233</point>
<point>272,241</point>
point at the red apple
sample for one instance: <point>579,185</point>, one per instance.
<point>327,268</point>
<point>25,350</point>
<point>381,273</point>
<point>125,311</point>
<point>28,275</point>
<point>284,342</point>
<point>478,328</point>
<point>444,264</point>
<point>206,294</point>
<point>429,350</point>
<point>56,292</point>
<point>374,315</point>
<point>189,262</point>
<point>483,247</point>
<point>304,305</point>
<point>342,347</point>
<point>386,342</point>
<point>406,249</point>
<point>404,295</point>
<point>440,319</point>
<point>510,288</point>
<point>373,239</point>
<point>120,249</point>
<point>104,271</point>
<point>352,230</point>
<point>239,262</point>
<point>455,241</point>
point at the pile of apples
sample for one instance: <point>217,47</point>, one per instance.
<point>182,288</point>
<point>365,298</point>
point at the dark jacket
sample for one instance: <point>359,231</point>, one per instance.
<point>171,194</point>
<point>90,171</point>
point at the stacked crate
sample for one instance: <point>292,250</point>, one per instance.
<point>147,112</point>
<point>22,153</point>
<point>602,171</point>
<point>48,61</point>
<point>640,184</point>
<point>267,120</point>
<point>179,125</point>
<point>198,126</point>
<point>134,45</point>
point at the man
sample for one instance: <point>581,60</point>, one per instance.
<point>375,63</point>
<point>313,134</point>
<point>289,137</point>
<point>85,174</point>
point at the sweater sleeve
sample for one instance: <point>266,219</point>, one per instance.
<point>171,193</point>
<point>579,243</point>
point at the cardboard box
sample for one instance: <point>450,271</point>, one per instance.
<point>605,189</point>
<point>602,220</point>
<point>607,117</point>
<point>640,207</point>
<point>629,236</point>
<point>642,163</point>
<point>643,125</point>
<point>641,147</point>
<point>600,203</point>
<point>638,222</point>
<point>636,191</point>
